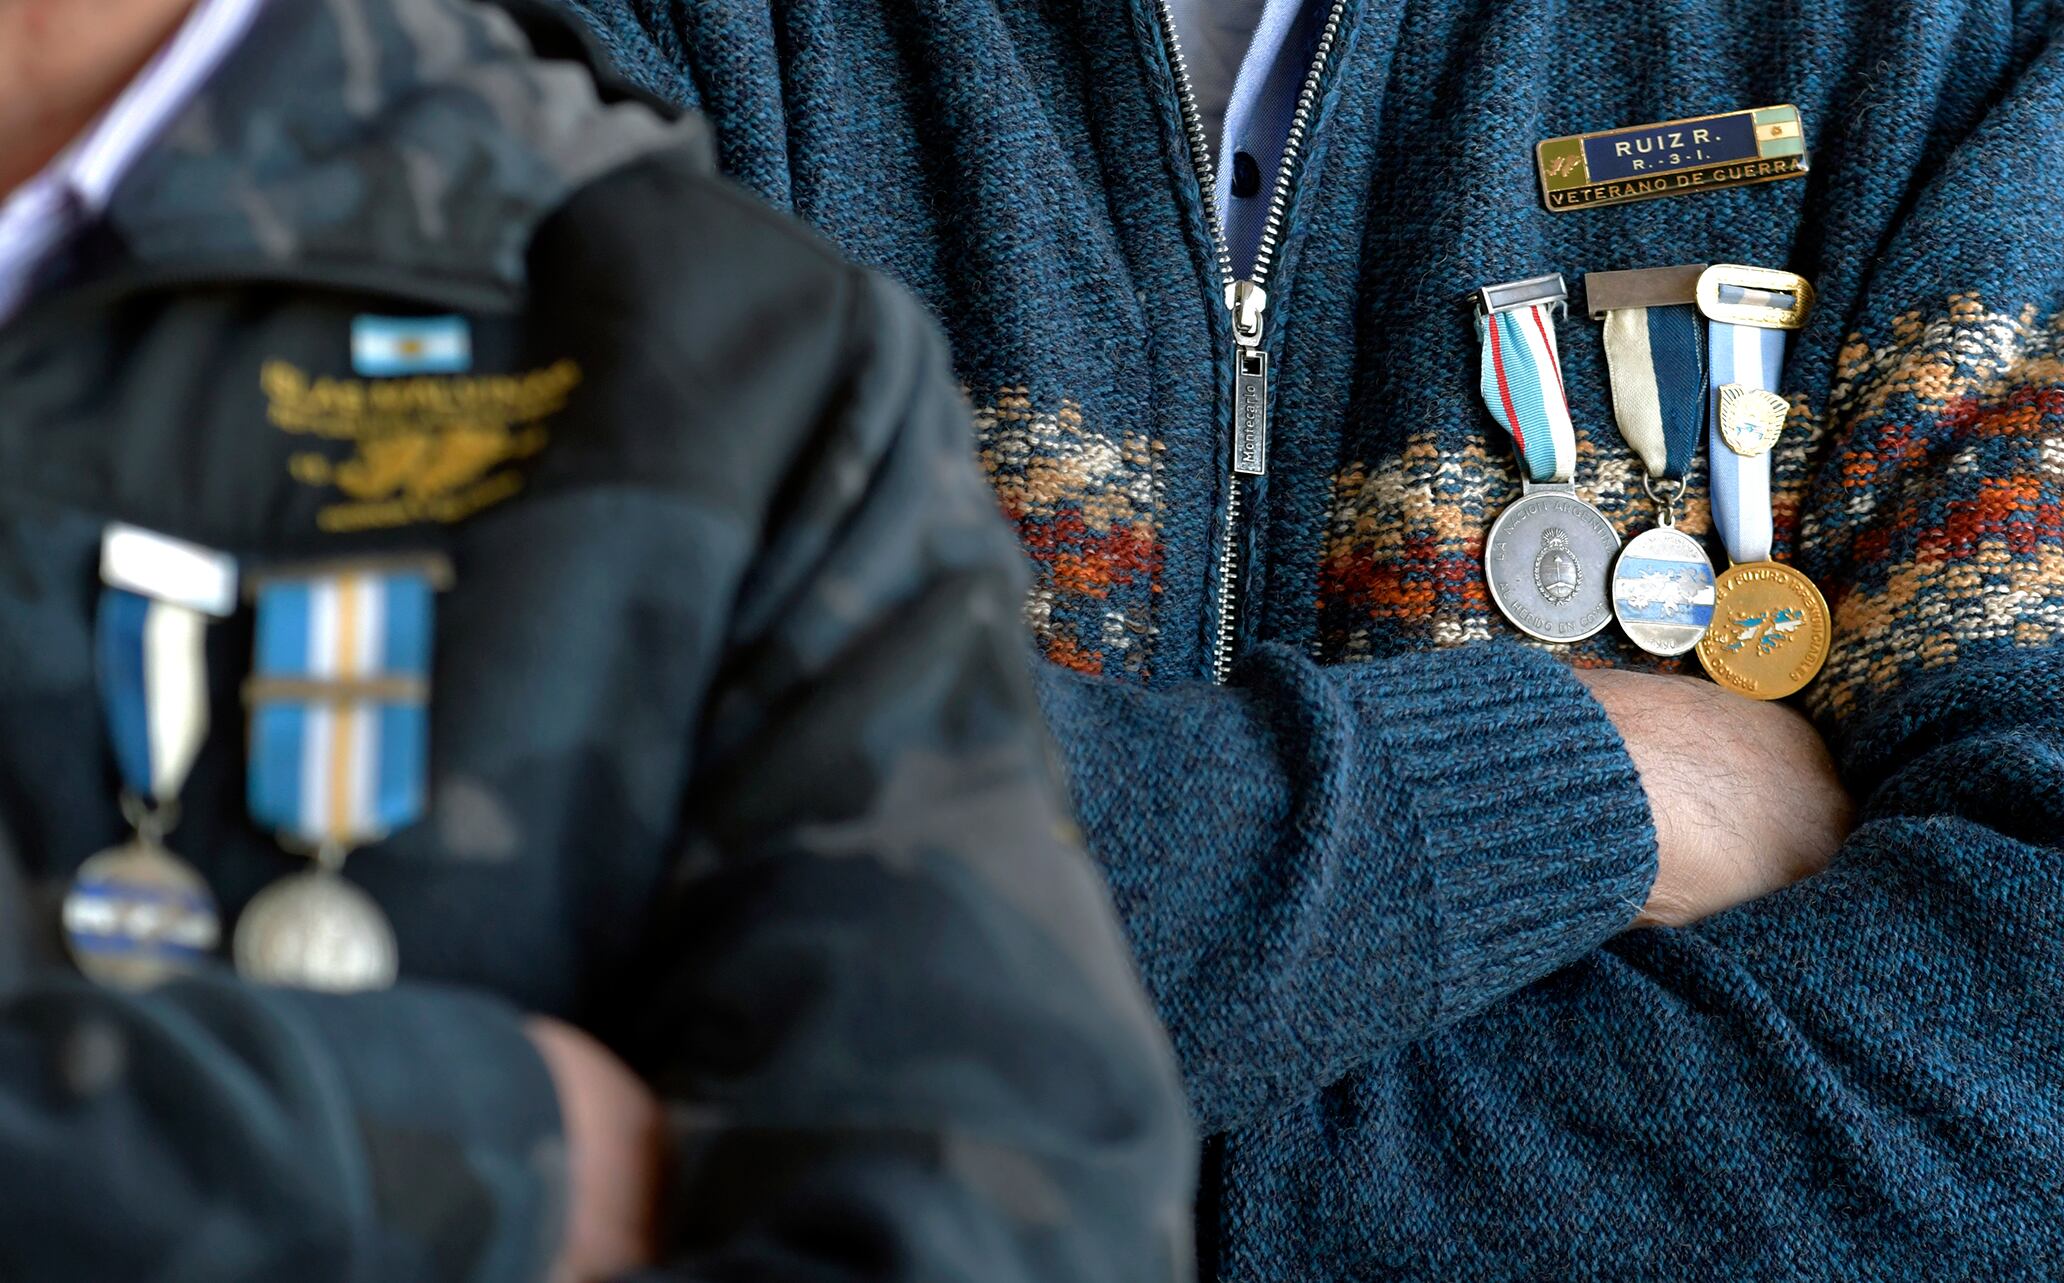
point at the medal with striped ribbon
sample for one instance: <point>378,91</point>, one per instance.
<point>136,915</point>
<point>1547,556</point>
<point>1655,353</point>
<point>1771,627</point>
<point>339,700</point>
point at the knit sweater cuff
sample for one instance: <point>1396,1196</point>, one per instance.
<point>1538,840</point>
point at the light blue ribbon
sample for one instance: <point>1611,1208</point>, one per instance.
<point>1753,357</point>
<point>346,760</point>
<point>1521,383</point>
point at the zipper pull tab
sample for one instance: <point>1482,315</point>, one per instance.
<point>1250,379</point>
<point>1247,302</point>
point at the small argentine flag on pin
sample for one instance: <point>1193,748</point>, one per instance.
<point>383,347</point>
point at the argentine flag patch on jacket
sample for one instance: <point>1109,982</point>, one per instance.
<point>383,347</point>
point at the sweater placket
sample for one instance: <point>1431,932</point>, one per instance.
<point>1246,298</point>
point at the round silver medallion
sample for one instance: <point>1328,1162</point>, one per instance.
<point>136,915</point>
<point>314,930</point>
<point>1662,591</point>
<point>1547,559</point>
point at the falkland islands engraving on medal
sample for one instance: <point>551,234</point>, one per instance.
<point>1770,631</point>
<point>314,930</point>
<point>136,915</point>
<point>1662,591</point>
<point>1546,560</point>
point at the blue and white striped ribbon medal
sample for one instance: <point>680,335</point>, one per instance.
<point>339,700</point>
<point>1548,556</point>
<point>1662,585</point>
<point>1771,626</point>
<point>136,915</point>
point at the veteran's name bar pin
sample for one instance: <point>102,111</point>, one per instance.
<point>1547,556</point>
<point>1672,158</point>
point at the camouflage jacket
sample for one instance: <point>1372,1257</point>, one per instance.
<point>733,759</point>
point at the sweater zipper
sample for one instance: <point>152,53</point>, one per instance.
<point>1246,299</point>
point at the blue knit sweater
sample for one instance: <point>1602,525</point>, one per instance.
<point>1350,873</point>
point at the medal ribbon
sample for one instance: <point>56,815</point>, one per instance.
<point>340,721</point>
<point>1655,357</point>
<point>152,661</point>
<point>154,689</point>
<point>1522,385</point>
<point>1753,357</point>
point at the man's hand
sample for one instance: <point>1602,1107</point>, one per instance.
<point>615,1152</point>
<point>1744,793</point>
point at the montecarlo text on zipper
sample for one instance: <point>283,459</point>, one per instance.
<point>1247,299</point>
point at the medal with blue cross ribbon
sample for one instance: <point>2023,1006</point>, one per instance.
<point>1547,556</point>
<point>136,915</point>
<point>339,706</point>
<point>1655,354</point>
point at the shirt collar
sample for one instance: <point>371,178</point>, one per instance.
<point>411,147</point>
<point>77,183</point>
<point>94,163</point>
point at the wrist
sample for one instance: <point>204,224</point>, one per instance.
<point>1743,794</point>
<point>615,1144</point>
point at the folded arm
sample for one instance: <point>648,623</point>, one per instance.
<point>1858,1070</point>
<point>1857,1076</point>
<point>1318,863</point>
<point>888,1005</point>
<point>217,1130</point>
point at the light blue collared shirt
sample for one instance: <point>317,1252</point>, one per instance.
<point>1248,60</point>
<point>73,189</point>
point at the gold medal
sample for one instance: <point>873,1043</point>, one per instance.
<point>1770,631</point>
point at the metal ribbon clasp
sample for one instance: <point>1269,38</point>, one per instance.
<point>1513,295</point>
<point>1641,287</point>
<point>1765,286</point>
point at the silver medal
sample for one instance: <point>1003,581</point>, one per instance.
<point>314,930</point>
<point>1548,558</point>
<point>136,915</point>
<point>1662,591</point>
